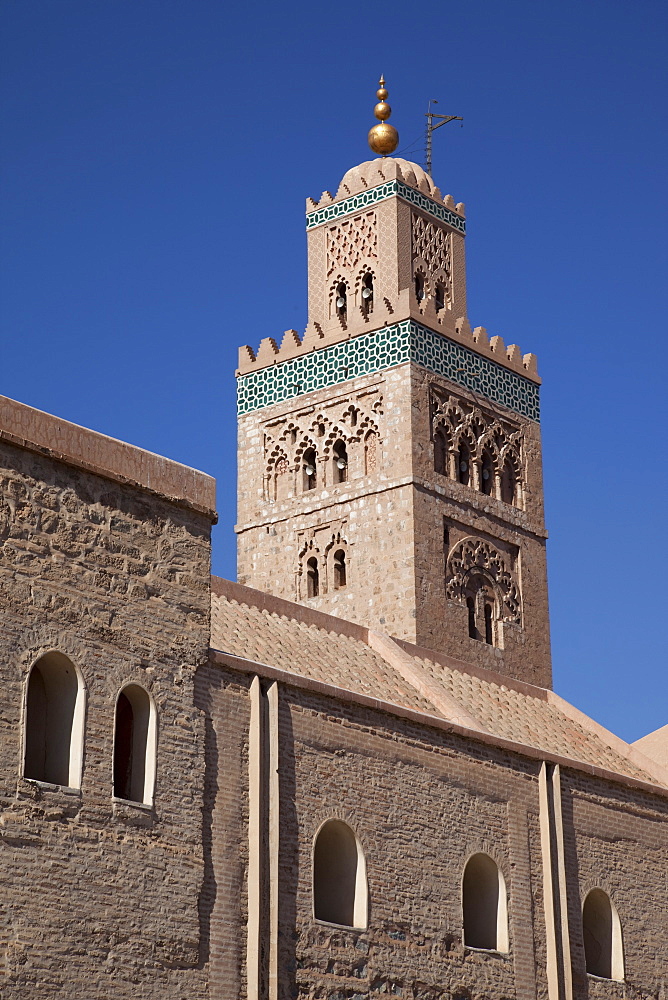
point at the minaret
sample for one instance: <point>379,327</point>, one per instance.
<point>389,459</point>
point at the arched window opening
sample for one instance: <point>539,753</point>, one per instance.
<point>489,625</point>
<point>54,722</point>
<point>508,483</point>
<point>464,464</point>
<point>309,470</point>
<point>340,462</point>
<point>342,301</point>
<point>339,569</point>
<point>321,430</point>
<point>484,905</point>
<point>439,296</point>
<point>419,286</point>
<point>602,934</point>
<point>134,745</point>
<point>370,453</point>
<point>367,294</point>
<point>473,631</point>
<point>487,474</point>
<point>312,577</point>
<point>339,876</point>
<point>440,452</point>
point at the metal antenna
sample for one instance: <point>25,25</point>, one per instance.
<point>444,119</point>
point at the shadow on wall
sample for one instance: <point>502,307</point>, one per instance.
<point>289,858</point>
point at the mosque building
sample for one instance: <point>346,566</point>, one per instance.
<point>345,775</point>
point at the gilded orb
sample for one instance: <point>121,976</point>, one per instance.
<point>383,138</point>
<point>381,94</point>
<point>382,111</point>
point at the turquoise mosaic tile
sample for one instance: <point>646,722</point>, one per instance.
<point>371,197</point>
<point>374,352</point>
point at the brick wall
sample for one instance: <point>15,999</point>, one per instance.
<point>101,899</point>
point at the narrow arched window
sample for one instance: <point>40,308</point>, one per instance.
<point>342,301</point>
<point>489,625</point>
<point>312,577</point>
<point>487,474</point>
<point>340,462</point>
<point>339,876</point>
<point>484,905</point>
<point>508,483</point>
<point>367,294</point>
<point>464,464</point>
<point>309,470</point>
<point>339,569</point>
<point>419,286</point>
<point>54,722</point>
<point>440,452</point>
<point>602,935</point>
<point>473,631</point>
<point>134,745</point>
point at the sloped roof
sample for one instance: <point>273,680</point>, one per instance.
<point>655,745</point>
<point>268,630</point>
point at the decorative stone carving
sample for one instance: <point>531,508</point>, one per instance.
<point>475,558</point>
<point>350,242</point>
<point>431,243</point>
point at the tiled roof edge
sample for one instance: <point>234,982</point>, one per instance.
<point>628,750</point>
<point>482,673</point>
<point>288,609</point>
<point>404,664</point>
<point>246,666</point>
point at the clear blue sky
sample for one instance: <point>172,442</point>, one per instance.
<point>155,159</point>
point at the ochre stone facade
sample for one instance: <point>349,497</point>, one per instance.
<point>355,780</point>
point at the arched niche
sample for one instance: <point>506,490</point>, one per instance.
<point>484,905</point>
<point>135,732</point>
<point>54,721</point>
<point>340,894</point>
<point>602,936</point>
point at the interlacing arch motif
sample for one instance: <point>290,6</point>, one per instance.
<point>475,559</point>
<point>489,442</point>
<point>291,451</point>
<point>431,244</point>
<point>351,241</point>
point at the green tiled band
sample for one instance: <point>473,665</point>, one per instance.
<point>374,352</point>
<point>371,197</point>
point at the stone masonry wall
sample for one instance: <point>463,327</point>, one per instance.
<point>100,898</point>
<point>616,840</point>
<point>421,803</point>
<point>446,511</point>
<point>371,513</point>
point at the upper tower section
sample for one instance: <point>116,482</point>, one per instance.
<point>385,250</point>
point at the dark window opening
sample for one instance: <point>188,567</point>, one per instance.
<point>487,474</point>
<point>340,462</point>
<point>309,469</point>
<point>489,625</point>
<point>464,464</point>
<point>367,294</point>
<point>473,631</point>
<point>339,569</point>
<point>133,757</point>
<point>419,287</point>
<point>50,718</point>
<point>439,297</point>
<point>342,301</point>
<point>312,577</point>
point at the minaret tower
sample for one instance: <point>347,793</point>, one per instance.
<point>389,459</point>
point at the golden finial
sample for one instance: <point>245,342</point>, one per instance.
<point>383,138</point>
